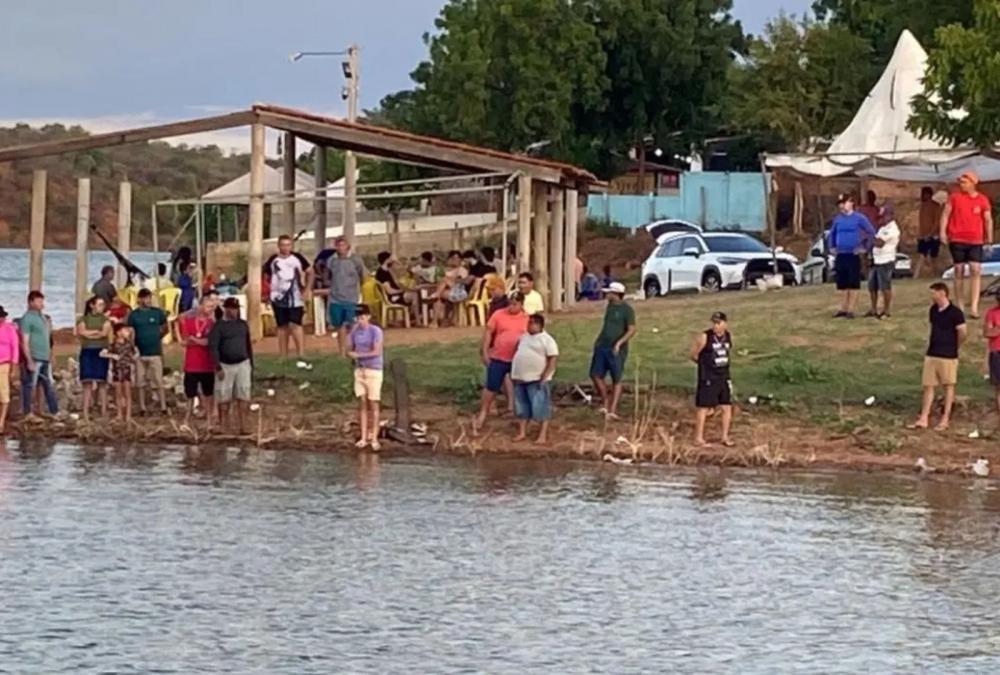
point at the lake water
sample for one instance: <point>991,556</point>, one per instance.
<point>159,560</point>
<point>58,279</point>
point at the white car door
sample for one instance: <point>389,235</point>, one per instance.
<point>667,257</point>
<point>688,266</point>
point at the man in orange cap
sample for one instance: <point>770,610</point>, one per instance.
<point>967,224</point>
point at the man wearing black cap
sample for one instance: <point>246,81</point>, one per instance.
<point>232,353</point>
<point>711,352</point>
<point>851,235</point>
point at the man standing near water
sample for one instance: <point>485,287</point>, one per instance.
<point>37,333</point>
<point>948,332</point>
<point>345,271</point>
<point>232,354</point>
<point>851,235</point>
<point>150,326</point>
<point>711,352</point>
<point>499,344</point>
<point>967,224</point>
<point>104,288</point>
<point>611,348</point>
<point>929,233</point>
<point>199,369</point>
<point>291,286</point>
<point>884,263</point>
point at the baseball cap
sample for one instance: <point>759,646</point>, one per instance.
<point>719,316</point>
<point>615,287</point>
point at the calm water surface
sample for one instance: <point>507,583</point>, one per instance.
<point>173,561</point>
<point>58,279</point>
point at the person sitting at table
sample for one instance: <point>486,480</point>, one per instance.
<point>393,290</point>
<point>425,272</point>
<point>454,287</point>
<point>485,264</point>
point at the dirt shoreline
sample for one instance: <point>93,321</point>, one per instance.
<point>763,440</point>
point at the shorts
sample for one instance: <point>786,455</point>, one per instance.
<point>341,314</point>
<point>713,393</point>
<point>995,369</point>
<point>193,382</point>
<point>93,368</point>
<point>929,248</point>
<point>4,383</point>
<point>533,401</point>
<point>149,372</point>
<point>284,316</point>
<point>496,373</point>
<point>605,362</point>
<point>965,253</point>
<point>880,277</point>
<point>368,383</point>
<point>940,372</point>
<point>237,382</point>
<point>848,269</point>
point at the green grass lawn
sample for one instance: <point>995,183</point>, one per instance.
<point>787,346</point>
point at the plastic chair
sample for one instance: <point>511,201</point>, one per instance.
<point>169,300</point>
<point>390,308</point>
<point>478,303</point>
<point>129,295</point>
<point>370,296</point>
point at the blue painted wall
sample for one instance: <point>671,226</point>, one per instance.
<point>732,201</point>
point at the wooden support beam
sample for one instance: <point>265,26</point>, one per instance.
<point>540,238</point>
<point>288,183</point>
<point>319,206</point>
<point>255,232</point>
<point>82,236</point>
<point>350,200</point>
<point>39,184</point>
<point>229,121</point>
<point>523,223</point>
<point>124,227</point>
<point>557,241</point>
<point>570,252</point>
<point>394,234</point>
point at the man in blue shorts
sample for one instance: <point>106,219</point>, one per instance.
<point>344,271</point>
<point>503,331</point>
<point>611,348</point>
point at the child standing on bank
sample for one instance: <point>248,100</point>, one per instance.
<point>365,346</point>
<point>123,355</point>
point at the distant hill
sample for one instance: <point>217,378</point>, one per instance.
<point>157,171</point>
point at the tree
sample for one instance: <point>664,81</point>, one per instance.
<point>881,21</point>
<point>961,94</point>
<point>506,74</point>
<point>801,80</point>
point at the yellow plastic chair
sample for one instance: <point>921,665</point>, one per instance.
<point>477,305</point>
<point>129,295</point>
<point>169,300</point>
<point>370,296</point>
<point>390,308</point>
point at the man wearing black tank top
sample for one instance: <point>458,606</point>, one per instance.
<point>711,352</point>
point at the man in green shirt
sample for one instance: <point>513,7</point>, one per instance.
<point>37,332</point>
<point>149,325</point>
<point>611,348</point>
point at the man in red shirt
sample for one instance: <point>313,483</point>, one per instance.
<point>503,330</point>
<point>967,224</point>
<point>199,367</point>
<point>991,331</point>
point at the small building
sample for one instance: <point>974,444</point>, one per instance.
<point>658,180</point>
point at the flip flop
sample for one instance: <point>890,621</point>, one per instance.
<point>942,427</point>
<point>917,427</point>
<point>728,444</point>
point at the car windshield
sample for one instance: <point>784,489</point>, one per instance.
<point>735,245</point>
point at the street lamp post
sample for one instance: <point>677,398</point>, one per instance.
<point>350,94</point>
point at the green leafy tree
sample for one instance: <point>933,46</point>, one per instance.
<point>800,80</point>
<point>961,95</point>
<point>881,21</point>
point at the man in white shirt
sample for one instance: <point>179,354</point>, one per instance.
<point>533,302</point>
<point>884,262</point>
<point>291,284</point>
<point>532,369</point>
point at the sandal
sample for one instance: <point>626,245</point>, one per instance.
<point>361,444</point>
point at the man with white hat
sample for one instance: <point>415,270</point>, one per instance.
<point>611,348</point>
<point>967,224</point>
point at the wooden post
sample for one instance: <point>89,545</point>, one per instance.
<point>319,206</point>
<point>255,231</point>
<point>124,227</point>
<point>570,254</point>
<point>288,183</point>
<point>557,237</point>
<point>798,208</point>
<point>540,238</point>
<point>82,235</point>
<point>394,234</point>
<point>456,238</point>
<point>401,399</point>
<point>350,196</point>
<point>38,187</point>
<point>523,223</point>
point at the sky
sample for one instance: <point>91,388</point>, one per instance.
<point>111,64</point>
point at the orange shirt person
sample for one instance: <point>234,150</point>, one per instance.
<point>966,225</point>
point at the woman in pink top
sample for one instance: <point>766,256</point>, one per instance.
<point>10,356</point>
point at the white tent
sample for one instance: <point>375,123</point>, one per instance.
<point>877,143</point>
<point>237,191</point>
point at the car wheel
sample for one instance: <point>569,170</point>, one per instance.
<point>652,288</point>
<point>711,282</point>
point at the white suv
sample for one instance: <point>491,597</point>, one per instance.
<point>709,262</point>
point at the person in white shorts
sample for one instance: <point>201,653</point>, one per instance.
<point>365,348</point>
<point>231,350</point>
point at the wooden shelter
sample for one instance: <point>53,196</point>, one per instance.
<point>548,193</point>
